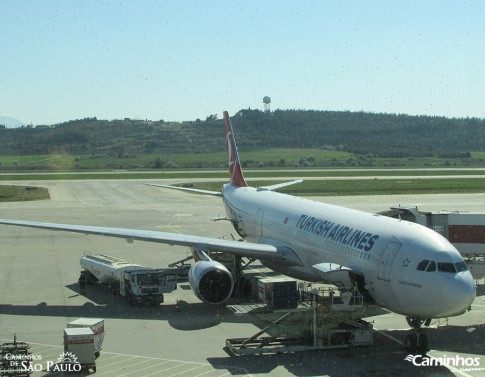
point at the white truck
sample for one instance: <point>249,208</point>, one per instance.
<point>139,284</point>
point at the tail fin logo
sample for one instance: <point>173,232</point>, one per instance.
<point>237,178</point>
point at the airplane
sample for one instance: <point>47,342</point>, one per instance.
<point>403,267</point>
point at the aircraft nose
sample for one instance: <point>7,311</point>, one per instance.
<point>458,294</point>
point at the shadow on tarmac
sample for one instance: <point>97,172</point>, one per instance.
<point>180,315</point>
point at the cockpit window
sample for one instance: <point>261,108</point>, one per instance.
<point>431,266</point>
<point>446,267</point>
<point>422,265</point>
<point>461,266</point>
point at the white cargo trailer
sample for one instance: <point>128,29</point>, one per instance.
<point>96,325</point>
<point>79,349</point>
<point>139,284</point>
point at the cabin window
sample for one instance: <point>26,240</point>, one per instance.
<point>446,267</point>
<point>422,265</point>
<point>431,266</point>
<point>461,266</point>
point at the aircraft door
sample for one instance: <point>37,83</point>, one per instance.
<point>253,226</point>
<point>384,270</point>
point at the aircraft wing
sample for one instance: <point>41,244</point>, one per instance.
<point>245,249</point>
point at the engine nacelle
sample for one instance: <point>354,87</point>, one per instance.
<point>211,281</point>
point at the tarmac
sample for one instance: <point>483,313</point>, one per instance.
<point>39,294</point>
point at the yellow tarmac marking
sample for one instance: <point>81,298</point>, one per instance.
<point>105,358</point>
<point>230,372</point>
<point>188,370</point>
<point>137,370</point>
<point>163,370</point>
<point>111,364</point>
<point>50,352</point>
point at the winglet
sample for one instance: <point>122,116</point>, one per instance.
<point>237,178</point>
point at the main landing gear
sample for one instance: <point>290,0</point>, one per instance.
<point>417,342</point>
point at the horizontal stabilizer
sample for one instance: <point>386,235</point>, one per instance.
<point>280,185</point>
<point>198,191</point>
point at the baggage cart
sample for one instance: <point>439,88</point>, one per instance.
<point>79,349</point>
<point>97,327</point>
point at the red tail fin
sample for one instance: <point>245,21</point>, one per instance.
<point>237,178</point>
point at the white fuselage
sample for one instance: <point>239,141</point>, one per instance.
<point>386,252</point>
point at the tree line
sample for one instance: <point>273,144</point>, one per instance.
<point>382,135</point>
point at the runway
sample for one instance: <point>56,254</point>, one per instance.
<point>39,295</point>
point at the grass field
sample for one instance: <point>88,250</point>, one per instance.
<point>284,174</point>
<point>22,193</point>
<point>370,186</point>
<point>314,187</point>
<point>269,158</point>
<point>410,176</point>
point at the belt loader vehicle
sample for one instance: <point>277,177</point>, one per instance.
<point>139,284</point>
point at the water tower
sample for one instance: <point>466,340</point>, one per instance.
<point>266,102</point>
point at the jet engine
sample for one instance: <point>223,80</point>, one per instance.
<point>211,281</point>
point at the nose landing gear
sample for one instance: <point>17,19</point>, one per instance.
<point>417,342</point>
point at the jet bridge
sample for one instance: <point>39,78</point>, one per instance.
<point>325,318</point>
<point>465,230</point>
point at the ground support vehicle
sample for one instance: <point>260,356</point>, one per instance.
<point>96,325</point>
<point>325,318</point>
<point>79,351</point>
<point>139,284</point>
<point>15,359</point>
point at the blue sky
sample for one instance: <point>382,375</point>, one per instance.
<point>182,60</point>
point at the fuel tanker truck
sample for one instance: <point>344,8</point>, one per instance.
<point>139,284</point>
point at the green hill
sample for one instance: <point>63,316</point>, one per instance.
<point>384,135</point>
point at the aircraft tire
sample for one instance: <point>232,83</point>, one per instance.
<point>422,344</point>
<point>411,343</point>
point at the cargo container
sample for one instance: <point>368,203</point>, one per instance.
<point>79,349</point>
<point>97,327</point>
<point>279,293</point>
